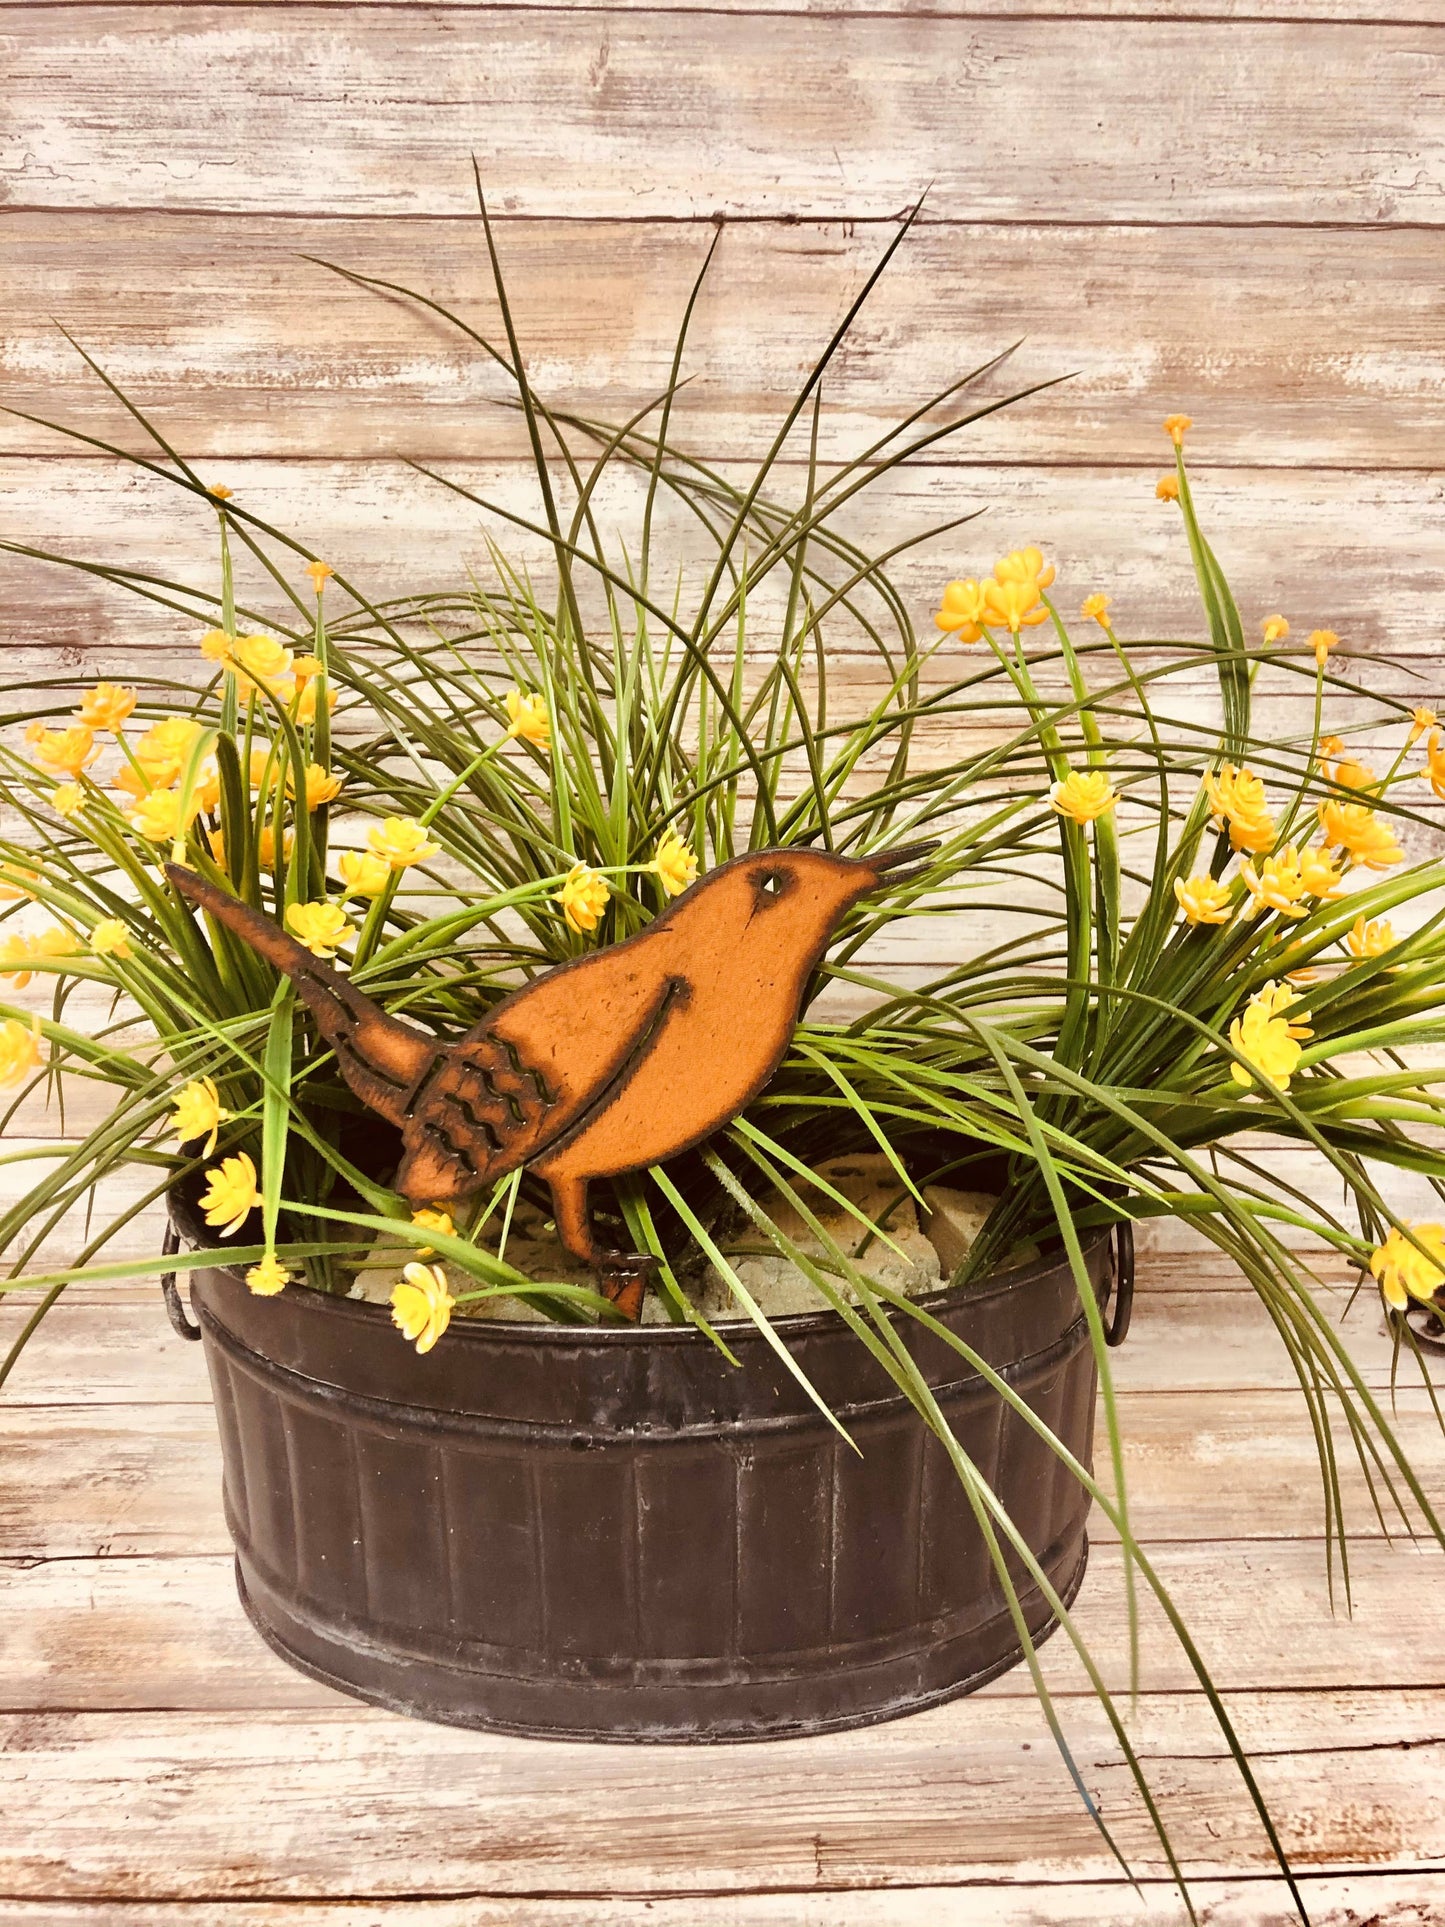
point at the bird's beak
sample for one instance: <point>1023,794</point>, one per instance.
<point>904,865</point>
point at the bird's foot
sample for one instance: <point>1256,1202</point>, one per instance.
<point>622,1279</point>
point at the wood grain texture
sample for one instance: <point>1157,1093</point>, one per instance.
<point>1382,1899</point>
<point>1334,540</point>
<point>1308,346</point>
<point>198,1804</point>
<point>679,116</point>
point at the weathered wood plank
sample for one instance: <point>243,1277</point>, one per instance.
<point>169,1633</point>
<point>243,348</point>
<point>76,1481</point>
<point>677,115</point>
<point>91,1353</point>
<point>1405,1899</point>
<point>200,1805</point>
<point>1317,545</point>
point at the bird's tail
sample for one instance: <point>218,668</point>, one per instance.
<point>382,1060</point>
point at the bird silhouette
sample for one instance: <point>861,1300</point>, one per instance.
<point>604,1065</point>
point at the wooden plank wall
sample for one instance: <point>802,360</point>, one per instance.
<point>1234,209</point>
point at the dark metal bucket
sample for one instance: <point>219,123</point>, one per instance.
<point>615,1534</point>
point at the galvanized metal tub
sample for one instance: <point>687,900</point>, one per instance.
<point>616,1535</point>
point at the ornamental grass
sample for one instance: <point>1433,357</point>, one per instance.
<point>1173,939</point>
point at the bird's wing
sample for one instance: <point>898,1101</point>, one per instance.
<point>383,1061</point>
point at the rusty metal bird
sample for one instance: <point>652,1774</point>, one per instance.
<point>606,1064</point>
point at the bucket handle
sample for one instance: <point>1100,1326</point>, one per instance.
<point>1117,1329</point>
<point>170,1291</point>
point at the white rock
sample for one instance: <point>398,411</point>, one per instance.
<point>907,1263</point>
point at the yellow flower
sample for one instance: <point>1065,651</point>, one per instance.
<point>19,955</point>
<point>529,718</point>
<point>106,706</point>
<point>363,873</point>
<point>1176,427</point>
<point>962,610</point>
<point>1331,746</point>
<point>320,574</point>
<point>1083,795</point>
<point>1434,770</point>
<point>421,1308</point>
<point>1277,885</point>
<point>217,646</point>
<point>262,663</point>
<point>198,1113</point>
<point>1354,827</point>
<point>19,1052</point>
<point>1420,721</point>
<point>1403,1272</point>
<point>306,697</point>
<point>583,898</point>
<point>266,846</point>
<point>1350,775</point>
<point>162,754</point>
<point>1267,1038</point>
<point>1024,565</point>
<point>305,667</point>
<point>232,1196</point>
<point>269,1277</point>
<point>1370,939</point>
<point>65,752</point>
<point>322,786</point>
<point>157,817</point>
<point>1275,629</point>
<point>1237,797</point>
<point>1096,607</point>
<point>14,959</point>
<point>110,938</point>
<point>221,493</point>
<point>1013,602</point>
<point>1321,641</point>
<point>1203,899</point>
<point>1318,875</point>
<point>674,865</point>
<point>67,799</point>
<point>1167,488</point>
<point>432,1217</point>
<point>400,840</point>
<point>320,928</point>
<point>17,880</point>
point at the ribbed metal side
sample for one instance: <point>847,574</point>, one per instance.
<point>704,1580</point>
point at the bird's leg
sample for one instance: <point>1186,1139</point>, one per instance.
<point>621,1275</point>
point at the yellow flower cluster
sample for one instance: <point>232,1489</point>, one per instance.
<point>1203,899</point>
<point>421,1306</point>
<point>1010,598</point>
<point>110,938</point>
<point>19,1051</point>
<point>1282,882</point>
<point>64,752</point>
<point>674,866</point>
<point>232,1194</point>
<point>1083,795</point>
<point>19,954</point>
<point>1355,829</point>
<point>583,898</point>
<point>1267,1038</point>
<point>106,707</point>
<point>321,928</point>
<point>401,840</point>
<point>1364,939</point>
<point>363,872</point>
<point>270,1276</point>
<point>1237,798</point>
<point>433,1217</point>
<point>198,1113</point>
<point>1095,608</point>
<point>1403,1273</point>
<point>322,786</point>
<point>264,667</point>
<point>529,718</point>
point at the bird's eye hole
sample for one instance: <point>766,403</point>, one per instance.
<point>769,885</point>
